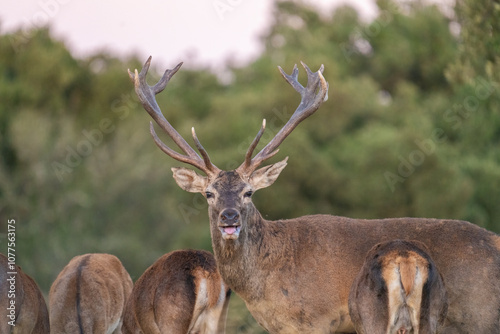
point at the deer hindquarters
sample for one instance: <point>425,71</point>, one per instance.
<point>398,290</point>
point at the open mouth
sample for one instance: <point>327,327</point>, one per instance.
<point>230,232</point>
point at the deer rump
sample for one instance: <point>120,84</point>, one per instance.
<point>89,294</point>
<point>182,292</point>
<point>22,306</point>
<point>399,290</point>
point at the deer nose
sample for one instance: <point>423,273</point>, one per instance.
<point>229,216</point>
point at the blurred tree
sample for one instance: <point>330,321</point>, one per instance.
<point>480,42</point>
<point>474,118</point>
<point>415,46</point>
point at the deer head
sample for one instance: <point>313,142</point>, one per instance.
<point>229,193</point>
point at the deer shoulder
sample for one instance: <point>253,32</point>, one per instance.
<point>89,295</point>
<point>399,290</point>
<point>182,292</point>
<point>22,306</point>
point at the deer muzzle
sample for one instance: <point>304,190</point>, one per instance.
<point>229,224</point>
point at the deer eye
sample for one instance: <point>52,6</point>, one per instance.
<point>209,194</point>
<point>248,194</point>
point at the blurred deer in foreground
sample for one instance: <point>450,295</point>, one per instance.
<point>398,291</point>
<point>22,307</point>
<point>295,275</point>
<point>89,295</point>
<point>181,293</point>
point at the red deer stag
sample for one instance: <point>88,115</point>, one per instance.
<point>22,307</point>
<point>89,295</point>
<point>295,275</point>
<point>398,291</point>
<point>181,293</point>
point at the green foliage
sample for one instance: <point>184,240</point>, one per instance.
<point>411,128</point>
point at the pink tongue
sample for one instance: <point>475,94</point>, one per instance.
<point>230,229</point>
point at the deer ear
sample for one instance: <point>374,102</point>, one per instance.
<point>265,176</point>
<point>189,180</point>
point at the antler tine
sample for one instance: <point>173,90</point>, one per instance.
<point>313,95</point>
<point>170,152</point>
<point>146,94</point>
<point>204,154</point>
<point>253,145</point>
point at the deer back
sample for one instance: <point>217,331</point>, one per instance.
<point>182,292</point>
<point>22,306</point>
<point>398,290</point>
<point>89,295</point>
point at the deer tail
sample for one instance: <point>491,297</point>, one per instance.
<point>408,272</point>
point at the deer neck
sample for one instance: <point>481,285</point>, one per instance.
<point>238,260</point>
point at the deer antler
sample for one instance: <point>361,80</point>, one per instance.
<point>313,95</point>
<point>146,95</point>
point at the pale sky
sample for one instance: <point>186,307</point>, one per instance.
<point>196,31</point>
